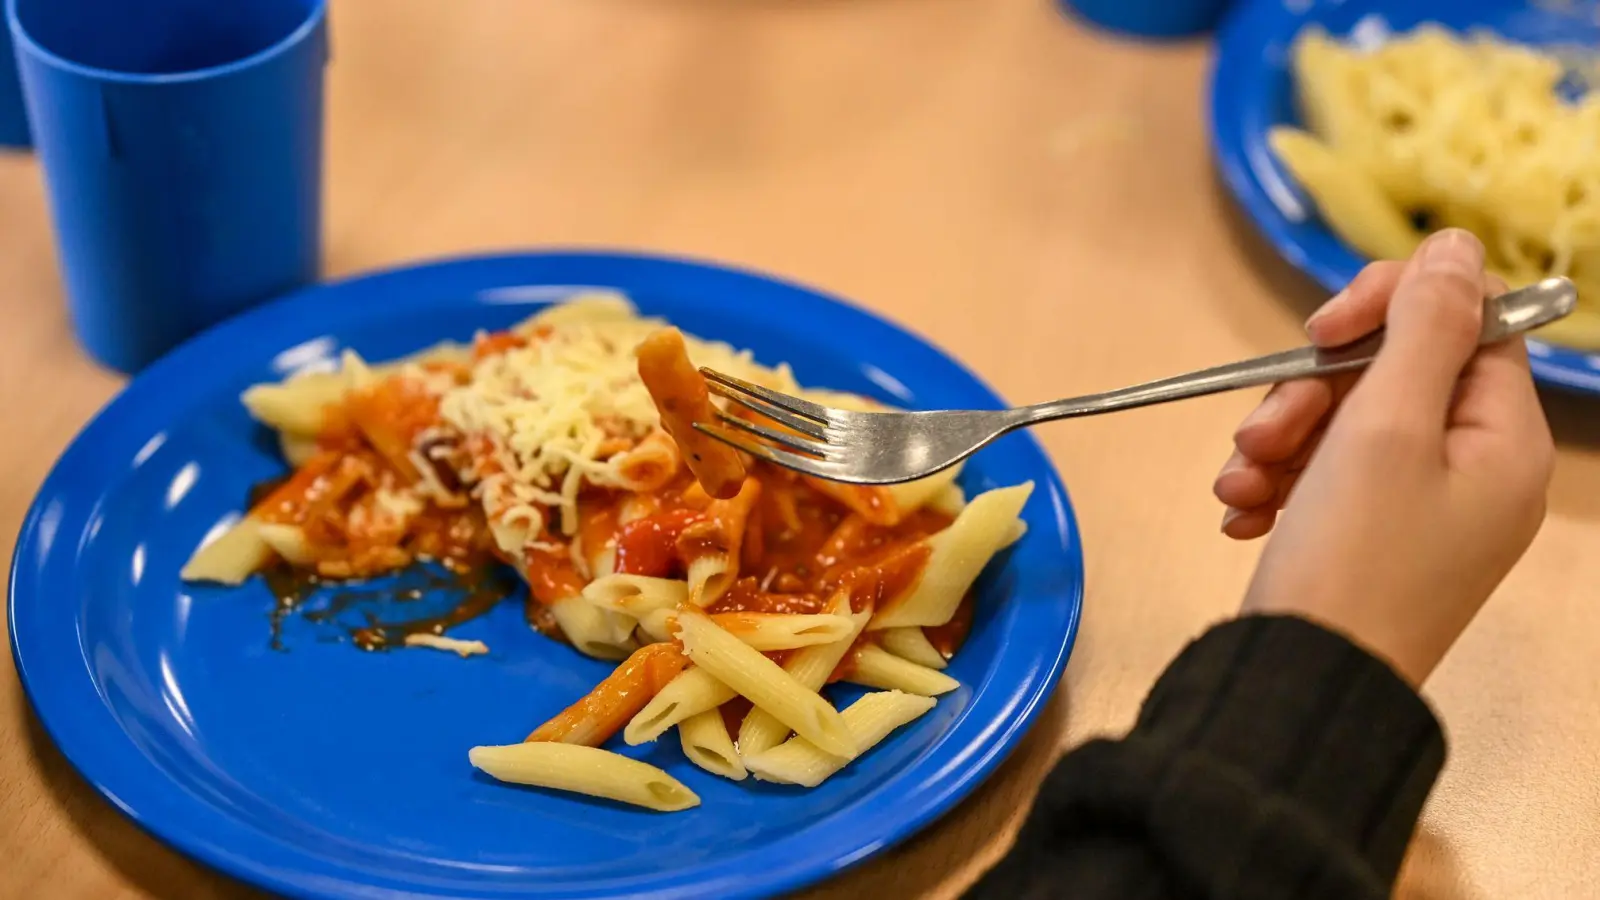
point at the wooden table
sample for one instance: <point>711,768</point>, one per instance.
<point>1030,196</point>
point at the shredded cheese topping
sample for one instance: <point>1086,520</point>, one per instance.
<point>546,410</point>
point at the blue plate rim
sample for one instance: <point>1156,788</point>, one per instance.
<point>1246,26</point>
<point>770,881</point>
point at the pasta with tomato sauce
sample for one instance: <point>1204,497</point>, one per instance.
<point>730,591</point>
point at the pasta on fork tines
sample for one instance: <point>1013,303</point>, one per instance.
<point>729,592</point>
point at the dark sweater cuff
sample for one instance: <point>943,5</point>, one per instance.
<point>1283,706</point>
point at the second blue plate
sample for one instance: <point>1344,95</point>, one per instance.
<point>1252,90</point>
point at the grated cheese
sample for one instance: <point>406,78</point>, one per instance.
<point>457,646</point>
<point>548,407</point>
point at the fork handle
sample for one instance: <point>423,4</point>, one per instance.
<point>1304,362</point>
<point>1509,314</point>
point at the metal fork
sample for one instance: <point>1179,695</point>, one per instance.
<point>890,447</point>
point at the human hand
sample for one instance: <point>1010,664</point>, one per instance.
<point>1407,492</point>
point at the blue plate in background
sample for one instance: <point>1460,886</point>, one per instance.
<point>1252,90</point>
<point>323,771</point>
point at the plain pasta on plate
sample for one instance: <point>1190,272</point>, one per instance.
<point>731,594</point>
<point>1429,129</point>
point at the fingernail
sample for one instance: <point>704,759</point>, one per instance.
<point>1229,517</point>
<point>1264,412</point>
<point>1322,311</point>
<point>1454,251</point>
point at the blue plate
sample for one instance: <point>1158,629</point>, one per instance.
<point>323,771</point>
<point>1252,90</point>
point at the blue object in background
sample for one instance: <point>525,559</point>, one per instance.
<point>1152,18</point>
<point>1252,90</point>
<point>13,114</point>
<point>181,142</point>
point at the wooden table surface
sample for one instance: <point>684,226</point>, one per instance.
<point>1033,197</point>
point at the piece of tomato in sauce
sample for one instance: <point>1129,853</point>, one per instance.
<point>649,546</point>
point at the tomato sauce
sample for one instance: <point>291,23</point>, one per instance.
<point>649,546</point>
<point>746,596</point>
<point>550,574</point>
<point>733,713</point>
<point>949,637</point>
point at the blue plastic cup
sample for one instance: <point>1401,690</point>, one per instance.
<point>181,142</point>
<point>1158,19</point>
<point>13,115</point>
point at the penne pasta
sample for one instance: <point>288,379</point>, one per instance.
<point>811,666</point>
<point>657,625</point>
<point>297,406</point>
<point>873,666</point>
<point>607,708</point>
<point>782,631</point>
<point>231,557</point>
<point>956,556</point>
<point>763,682</point>
<point>679,392</point>
<point>297,450</point>
<point>869,720</point>
<point>585,770</point>
<point>288,541</point>
<point>909,643</point>
<point>950,501</point>
<point>636,595</point>
<point>650,465</point>
<point>693,692</point>
<point>705,741</point>
<point>911,496</point>
<point>565,447</point>
<point>712,545</point>
<point>596,632</point>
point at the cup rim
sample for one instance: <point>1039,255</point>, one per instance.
<point>313,20</point>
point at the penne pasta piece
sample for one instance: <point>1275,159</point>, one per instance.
<point>1348,198</point>
<point>911,496</point>
<point>232,556</point>
<point>705,741</point>
<point>712,545</point>
<point>811,666</point>
<point>870,719</point>
<point>783,631</point>
<point>657,625</point>
<point>693,692</point>
<point>650,465</point>
<point>956,556</point>
<point>679,392</point>
<point>596,632</point>
<point>289,542</point>
<point>763,682</point>
<point>296,449</point>
<point>355,369</point>
<point>297,406</point>
<point>607,708</point>
<point>585,770</point>
<point>873,666</point>
<point>636,595</point>
<point>950,501</point>
<point>909,643</point>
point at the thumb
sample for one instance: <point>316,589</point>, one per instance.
<point>1433,324</point>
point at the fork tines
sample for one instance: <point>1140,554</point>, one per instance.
<point>804,424</point>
